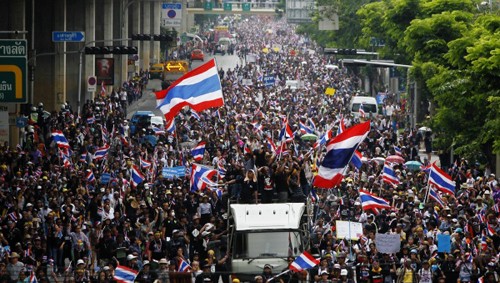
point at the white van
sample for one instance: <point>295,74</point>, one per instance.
<point>369,105</point>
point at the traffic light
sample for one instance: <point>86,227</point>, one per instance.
<point>101,50</point>
<point>154,37</point>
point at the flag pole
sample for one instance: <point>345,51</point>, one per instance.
<point>278,275</point>
<point>428,187</point>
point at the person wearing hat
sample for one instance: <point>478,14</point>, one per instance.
<point>467,269</point>
<point>425,274</point>
<point>162,271</point>
<point>80,273</point>
<point>146,275</point>
<point>258,279</point>
<point>14,267</point>
<point>206,273</point>
<point>406,274</point>
<point>267,273</point>
<point>322,268</point>
<point>157,247</point>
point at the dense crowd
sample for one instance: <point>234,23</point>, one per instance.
<point>60,220</point>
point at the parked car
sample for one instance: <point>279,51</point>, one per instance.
<point>197,54</point>
<point>140,120</point>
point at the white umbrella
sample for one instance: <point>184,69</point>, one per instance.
<point>425,129</point>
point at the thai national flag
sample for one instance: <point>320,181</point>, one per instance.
<point>271,145</point>
<point>490,230</point>
<point>433,194</point>
<point>199,89</point>
<point>356,159</point>
<point>137,176</point>
<point>124,141</point>
<point>32,278</point>
<point>222,170</point>
<point>90,177</point>
<point>304,129</point>
<point>369,201</point>
<point>398,151</point>
<point>257,126</point>
<point>197,173</point>
<point>484,243</point>
<point>217,114</point>
<point>199,151</point>
<point>246,149</point>
<point>183,266</point>
<point>304,261</point>
<point>170,126</point>
<point>125,274</point>
<point>426,169</point>
<point>101,152</point>
<point>341,126</point>
<point>144,163</point>
<point>91,120</point>
<point>195,115</point>
<point>389,176</point>
<point>441,180</point>
<point>286,132</point>
<point>312,125</point>
<point>60,139</point>
<point>361,111</point>
<point>339,152</point>
<point>83,157</point>
<point>158,131</point>
<point>323,139</point>
<point>314,196</point>
<point>209,182</point>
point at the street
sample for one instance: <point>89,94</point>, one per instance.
<point>148,100</point>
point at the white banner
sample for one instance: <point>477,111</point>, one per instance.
<point>388,243</point>
<point>348,230</point>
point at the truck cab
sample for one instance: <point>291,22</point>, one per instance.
<point>263,234</point>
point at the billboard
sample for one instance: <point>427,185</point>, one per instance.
<point>299,11</point>
<point>105,71</point>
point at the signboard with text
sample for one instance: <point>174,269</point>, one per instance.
<point>13,70</point>
<point>171,14</point>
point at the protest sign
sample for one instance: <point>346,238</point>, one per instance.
<point>388,243</point>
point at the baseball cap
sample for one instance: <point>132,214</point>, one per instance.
<point>343,272</point>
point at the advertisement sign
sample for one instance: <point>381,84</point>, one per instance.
<point>105,71</point>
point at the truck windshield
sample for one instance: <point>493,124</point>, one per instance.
<point>372,108</point>
<point>267,244</point>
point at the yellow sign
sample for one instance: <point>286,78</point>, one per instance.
<point>330,91</point>
<point>265,50</point>
<point>176,66</point>
<point>221,28</point>
<point>18,76</point>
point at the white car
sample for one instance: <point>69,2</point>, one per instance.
<point>158,121</point>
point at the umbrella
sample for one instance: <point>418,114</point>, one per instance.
<point>413,165</point>
<point>425,129</point>
<point>309,137</point>
<point>395,159</point>
<point>378,160</point>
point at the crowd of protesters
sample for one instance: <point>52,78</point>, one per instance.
<point>61,223</point>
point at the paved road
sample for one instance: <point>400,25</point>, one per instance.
<point>148,100</point>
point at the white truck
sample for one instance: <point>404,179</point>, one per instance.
<point>261,234</point>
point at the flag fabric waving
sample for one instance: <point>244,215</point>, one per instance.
<point>90,176</point>
<point>199,89</point>
<point>389,176</point>
<point>271,145</point>
<point>197,173</point>
<point>101,152</point>
<point>144,163</point>
<point>362,111</point>
<point>356,159</point>
<point>304,129</point>
<point>435,196</point>
<point>137,176</point>
<point>304,261</point>
<point>323,139</point>
<point>198,151</point>
<point>183,266</point>
<point>369,201</point>
<point>286,132</point>
<point>124,274</point>
<point>60,139</point>
<point>170,126</point>
<point>441,180</point>
<point>339,152</point>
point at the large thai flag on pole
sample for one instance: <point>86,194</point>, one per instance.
<point>198,151</point>
<point>60,139</point>
<point>441,180</point>
<point>198,174</point>
<point>304,261</point>
<point>389,176</point>
<point>199,89</point>
<point>339,152</point>
<point>369,201</point>
<point>124,274</point>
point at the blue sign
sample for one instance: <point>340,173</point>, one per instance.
<point>444,243</point>
<point>168,6</point>
<point>21,122</point>
<point>68,36</point>
<point>105,178</point>
<point>380,98</point>
<point>268,81</point>
<point>174,172</point>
